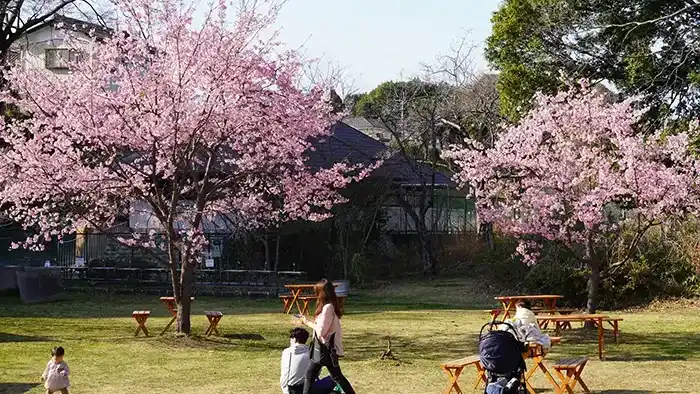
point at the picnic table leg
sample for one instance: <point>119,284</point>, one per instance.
<point>577,378</point>
<point>213,324</point>
<point>539,361</point>
<point>507,306</point>
<point>565,382</point>
<point>298,302</point>
<point>528,385</point>
<point>208,330</point>
<point>480,375</point>
<point>169,324</point>
<point>294,300</point>
<point>601,340</point>
<point>285,307</point>
<point>453,376</point>
<point>142,326</point>
<point>615,329</point>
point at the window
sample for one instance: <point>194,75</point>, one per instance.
<point>61,58</point>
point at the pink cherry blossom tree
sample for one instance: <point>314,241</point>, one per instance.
<point>575,171</point>
<point>204,124</point>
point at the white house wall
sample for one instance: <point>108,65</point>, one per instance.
<point>33,46</point>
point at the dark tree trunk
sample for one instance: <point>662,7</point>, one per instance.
<point>174,277</point>
<point>593,280</point>
<point>184,325</point>
<point>426,252</point>
<point>485,232</point>
<point>277,252</point>
<point>266,243</point>
<point>593,286</point>
<point>483,229</point>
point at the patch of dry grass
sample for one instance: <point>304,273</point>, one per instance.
<point>428,322</point>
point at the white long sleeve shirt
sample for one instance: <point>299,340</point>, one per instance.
<point>327,324</point>
<point>293,366</point>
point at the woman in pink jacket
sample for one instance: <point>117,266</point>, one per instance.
<point>327,344</point>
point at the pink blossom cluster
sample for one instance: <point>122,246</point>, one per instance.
<point>164,111</point>
<point>575,169</point>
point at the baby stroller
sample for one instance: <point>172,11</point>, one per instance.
<point>501,355</point>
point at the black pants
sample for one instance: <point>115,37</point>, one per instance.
<point>298,389</point>
<point>336,375</point>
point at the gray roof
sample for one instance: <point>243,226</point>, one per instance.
<point>349,144</point>
<point>72,24</point>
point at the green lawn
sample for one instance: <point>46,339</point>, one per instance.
<point>659,350</point>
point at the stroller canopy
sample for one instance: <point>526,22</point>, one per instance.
<point>500,352</point>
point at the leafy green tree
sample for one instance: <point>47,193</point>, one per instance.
<point>641,47</point>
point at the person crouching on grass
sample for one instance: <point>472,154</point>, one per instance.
<point>327,345</point>
<point>55,376</point>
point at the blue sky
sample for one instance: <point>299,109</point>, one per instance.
<point>379,40</point>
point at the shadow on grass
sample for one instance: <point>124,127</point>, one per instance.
<point>407,348</point>
<point>248,337</point>
<point>247,342</point>
<point>652,346</point>
<point>16,388</point>
<point>637,392</point>
<point>5,337</point>
<point>77,305</point>
<point>122,305</point>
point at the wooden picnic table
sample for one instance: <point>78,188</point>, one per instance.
<point>170,303</point>
<point>561,320</point>
<point>508,302</point>
<point>454,369</point>
<point>296,290</point>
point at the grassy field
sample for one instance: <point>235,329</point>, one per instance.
<point>659,350</point>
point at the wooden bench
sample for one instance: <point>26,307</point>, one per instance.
<point>573,368</point>
<point>141,317</point>
<point>214,318</point>
<point>454,369</point>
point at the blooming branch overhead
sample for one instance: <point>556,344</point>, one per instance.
<point>175,115</point>
<point>575,168</point>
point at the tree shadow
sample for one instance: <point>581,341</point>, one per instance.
<point>652,346</point>
<point>407,348</point>
<point>637,392</point>
<point>5,337</point>
<point>247,337</point>
<point>16,388</point>
<point>122,305</point>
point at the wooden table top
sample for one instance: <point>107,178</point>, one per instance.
<point>305,286</point>
<point>572,317</point>
<point>172,298</point>
<point>528,297</point>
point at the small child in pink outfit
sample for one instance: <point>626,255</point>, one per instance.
<point>55,376</point>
